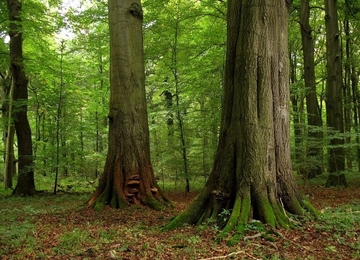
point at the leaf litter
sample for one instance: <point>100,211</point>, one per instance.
<point>61,227</point>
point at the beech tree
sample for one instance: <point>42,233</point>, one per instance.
<point>334,102</point>
<point>314,120</point>
<point>252,173</point>
<point>25,184</point>
<point>128,177</point>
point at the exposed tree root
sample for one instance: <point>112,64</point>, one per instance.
<point>117,193</point>
<point>246,207</point>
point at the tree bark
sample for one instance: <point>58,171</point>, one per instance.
<point>128,177</point>
<point>252,173</point>
<point>25,184</point>
<point>334,107</point>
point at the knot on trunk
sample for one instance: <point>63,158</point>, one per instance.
<point>136,11</point>
<point>220,195</point>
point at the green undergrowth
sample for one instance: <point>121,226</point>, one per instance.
<point>342,225</point>
<point>19,217</point>
<point>352,176</point>
<point>47,226</point>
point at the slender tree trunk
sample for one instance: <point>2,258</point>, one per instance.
<point>347,94</point>
<point>297,101</point>
<point>252,173</point>
<point>98,140</point>
<point>334,107</point>
<point>179,116</point>
<point>314,144</point>
<point>25,184</point>
<point>59,118</point>
<point>128,177</point>
<point>9,132</point>
<point>356,110</point>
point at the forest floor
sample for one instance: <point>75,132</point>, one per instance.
<point>60,227</point>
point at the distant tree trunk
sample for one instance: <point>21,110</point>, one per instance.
<point>356,109</point>
<point>98,119</point>
<point>347,91</point>
<point>297,101</point>
<point>252,173</point>
<point>334,107</point>
<point>9,132</point>
<point>25,184</point>
<point>314,144</point>
<point>128,177</point>
<point>179,115</point>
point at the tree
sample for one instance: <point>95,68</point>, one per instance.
<point>9,132</point>
<point>334,106</point>
<point>252,173</point>
<point>25,184</point>
<point>312,106</point>
<point>128,177</point>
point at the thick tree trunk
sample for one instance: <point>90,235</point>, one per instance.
<point>128,177</point>
<point>334,107</point>
<point>25,185</point>
<point>314,147</point>
<point>252,173</point>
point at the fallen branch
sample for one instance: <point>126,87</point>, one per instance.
<point>254,236</point>
<point>231,254</point>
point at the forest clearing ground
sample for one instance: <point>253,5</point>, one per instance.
<point>60,227</point>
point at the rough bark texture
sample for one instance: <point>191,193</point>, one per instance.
<point>252,173</point>
<point>314,149</point>
<point>334,108</point>
<point>25,184</point>
<point>128,177</point>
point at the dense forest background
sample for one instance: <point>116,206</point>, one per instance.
<point>66,57</point>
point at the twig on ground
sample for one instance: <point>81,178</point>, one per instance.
<point>231,254</point>
<point>254,236</point>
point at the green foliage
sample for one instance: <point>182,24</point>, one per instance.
<point>176,64</point>
<point>15,235</point>
<point>78,237</point>
<point>184,43</point>
<point>223,217</point>
<point>255,226</point>
<point>343,225</point>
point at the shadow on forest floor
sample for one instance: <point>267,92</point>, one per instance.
<point>60,227</point>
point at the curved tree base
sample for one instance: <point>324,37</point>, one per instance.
<point>335,180</point>
<point>245,206</point>
<point>25,185</point>
<point>116,194</point>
